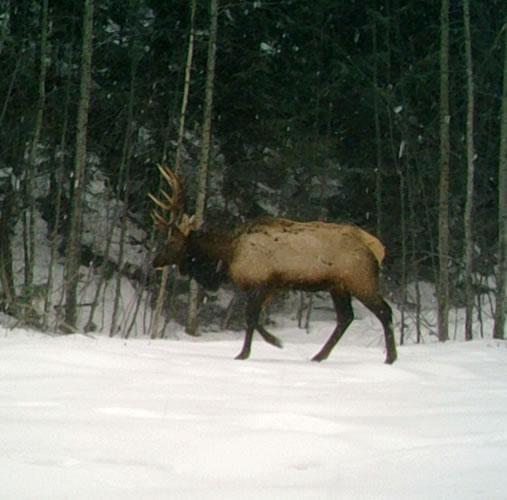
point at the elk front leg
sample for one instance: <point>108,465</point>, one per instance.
<point>247,344</point>
<point>269,337</point>
<point>255,302</point>
<point>255,299</point>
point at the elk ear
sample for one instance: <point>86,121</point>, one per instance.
<point>187,225</point>
<point>192,222</point>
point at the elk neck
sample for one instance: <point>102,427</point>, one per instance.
<point>208,256</point>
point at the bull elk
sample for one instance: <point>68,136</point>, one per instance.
<point>269,254</point>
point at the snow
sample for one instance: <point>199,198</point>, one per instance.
<point>99,418</point>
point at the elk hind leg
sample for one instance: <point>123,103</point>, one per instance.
<point>384,313</point>
<point>344,316</point>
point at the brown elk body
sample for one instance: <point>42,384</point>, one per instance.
<point>270,254</point>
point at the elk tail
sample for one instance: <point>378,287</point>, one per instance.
<point>373,244</point>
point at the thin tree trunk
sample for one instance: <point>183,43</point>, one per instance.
<point>6,223</point>
<point>191,327</point>
<point>414,266</point>
<point>53,237</point>
<point>123,225</point>
<point>10,90</point>
<point>469,240</point>
<point>179,150</point>
<point>378,136</point>
<point>404,238</point>
<point>90,324</point>
<point>4,23</point>
<point>125,182</point>
<point>501,281</point>
<point>29,214</point>
<point>73,253</point>
<point>397,159</point>
<point>443,211</point>
<point>58,181</point>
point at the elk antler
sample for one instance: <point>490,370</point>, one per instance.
<point>172,205</point>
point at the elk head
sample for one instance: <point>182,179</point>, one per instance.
<point>169,215</point>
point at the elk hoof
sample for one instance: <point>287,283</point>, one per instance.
<point>277,343</point>
<point>390,360</point>
<point>242,355</point>
<point>319,357</point>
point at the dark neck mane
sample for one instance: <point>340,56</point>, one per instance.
<point>208,255</point>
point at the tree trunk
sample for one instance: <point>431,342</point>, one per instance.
<point>404,239</point>
<point>123,225</point>
<point>7,222</point>
<point>9,91</point>
<point>501,281</point>
<point>443,211</point>
<point>4,24</point>
<point>179,149</point>
<point>191,327</point>
<point>90,325</point>
<point>378,136</point>
<point>29,214</point>
<point>124,181</point>
<point>58,191</point>
<point>73,253</point>
<point>469,240</point>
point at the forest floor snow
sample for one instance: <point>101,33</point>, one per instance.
<point>100,418</point>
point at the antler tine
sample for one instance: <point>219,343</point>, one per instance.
<point>173,205</point>
<point>159,203</point>
<point>167,173</point>
<point>178,198</point>
<point>158,220</point>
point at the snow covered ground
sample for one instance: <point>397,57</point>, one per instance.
<point>99,418</point>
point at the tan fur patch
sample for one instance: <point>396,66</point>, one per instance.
<point>289,253</point>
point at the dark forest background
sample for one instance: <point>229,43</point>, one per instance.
<point>321,110</point>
